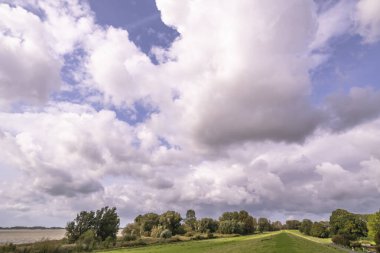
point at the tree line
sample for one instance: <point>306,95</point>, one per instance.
<point>102,226</point>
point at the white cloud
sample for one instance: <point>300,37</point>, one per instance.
<point>368,19</point>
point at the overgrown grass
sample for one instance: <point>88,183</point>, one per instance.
<point>278,242</point>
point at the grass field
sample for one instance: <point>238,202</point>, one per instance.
<point>280,242</point>
<point>311,238</point>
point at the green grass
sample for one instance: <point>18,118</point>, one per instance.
<point>311,238</point>
<point>282,242</point>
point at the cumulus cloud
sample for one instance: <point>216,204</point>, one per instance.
<point>367,16</point>
<point>233,124</point>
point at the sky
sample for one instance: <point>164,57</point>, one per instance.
<point>268,106</point>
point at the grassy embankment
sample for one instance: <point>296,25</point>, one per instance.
<point>278,242</point>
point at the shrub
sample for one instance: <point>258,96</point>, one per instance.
<point>8,247</point>
<point>129,238</point>
<point>166,234</point>
<point>189,234</point>
<point>156,231</point>
<point>86,241</point>
<point>341,240</point>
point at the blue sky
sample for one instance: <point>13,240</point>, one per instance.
<point>272,107</point>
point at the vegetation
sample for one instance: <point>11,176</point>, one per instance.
<point>103,223</point>
<point>263,243</point>
<point>97,230</point>
<point>374,228</point>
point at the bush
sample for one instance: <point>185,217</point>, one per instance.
<point>86,241</point>
<point>189,234</point>
<point>8,247</point>
<point>156,231</point>
<point>340,240</point>
<point>129,238</point>
<point>166,234</point>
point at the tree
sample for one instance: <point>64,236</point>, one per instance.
<point>305,226</point>
<point>131,232</point>
<point>231,227</point>
<point>104,223</point>
<point>82,223</point>
<point>276,225</point>
<point>205,225</point>
<point>293,224</point>
<point>191,219</point>
<point>263,224</point>
<point>374,228</point>
<point>348,225</point>
<point>107,223</point>
<point>171,220</point>
<point>147,222</point>
<point>320,229</point>
<point>238,222</point>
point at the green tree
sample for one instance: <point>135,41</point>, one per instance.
<point>320,229</point>
<point>171,220</point>
<point>207,225</point>
<point>147,222</point>
<point>293,224</point>
<point>191,219</point>
<point>374,228</point>
<point>231,227</point>
<point>107,223</point>
<point>83,222</point>
<point>104,223</point>
<point>348,225</point>
<point>305,226</point>
<point>238,222</point>
<point>131,232</point>
<point>276,225</point>
<point>263,224</point>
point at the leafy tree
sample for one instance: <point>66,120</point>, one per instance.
<point>239,222</point>
<point>305,226</point>
<point>83,222</point>
<point>171,220</point>
<point>191,219</point>
<point>276,225</point>
<point>348,225</point>
<point>320,229</point>
<point>293,224</point>
<point>231,227</point>
<point>107,223</point>
<point>374,228</point>
<point>104,223</point>
<point>263,224</point>
<point>147,222</point>
<point>207,225</point>
<point>131,232</point>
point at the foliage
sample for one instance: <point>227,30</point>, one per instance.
<point>166,234</point>
<point>374,225</point>
<point>104,223</point>
<point>156,231</point>
<point>306,226</point>
<point>147,222</point>
<point>191,219</point>
<point>86,241</point>
<point>171,220</point>
<point>320,229</point>
<point>348,225</point>
<point>263,224</point>
<point>207,224</point>
<point>341,240</point>
<point>131,231</point>
<point>293,224</point>
<point>276,226</point>
<point>239,222</point>
<point>231,227</point>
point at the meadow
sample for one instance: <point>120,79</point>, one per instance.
<point>276,242</point>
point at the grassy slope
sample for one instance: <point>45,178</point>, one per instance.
<point>273,243</point>
<point>311,238</point>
